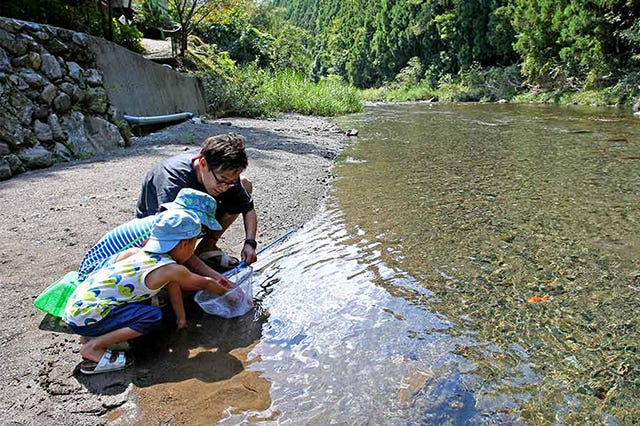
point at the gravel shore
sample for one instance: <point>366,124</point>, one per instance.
<point>51,217</point>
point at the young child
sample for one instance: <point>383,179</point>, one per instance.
<point>108,307</point>
<point>134,233</point>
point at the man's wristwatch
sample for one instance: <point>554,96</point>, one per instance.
<point>251,242</point>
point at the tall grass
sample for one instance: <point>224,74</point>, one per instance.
<point>255,92</point>
<point>292,92</point>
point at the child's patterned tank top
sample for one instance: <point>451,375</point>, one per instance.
<point>122,282</point>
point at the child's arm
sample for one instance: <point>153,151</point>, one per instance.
<point>175,273</point>
<point>175,297</point>
<point>198,267</point>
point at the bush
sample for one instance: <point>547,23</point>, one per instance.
<point>149,14</point>
<point>127,36</point>
<point>255,92</point>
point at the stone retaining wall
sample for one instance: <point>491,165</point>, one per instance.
<point>63,94</point>
<point>53,104</point>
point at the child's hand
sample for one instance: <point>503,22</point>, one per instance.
<point>224,282</point>
<point>181,323</point>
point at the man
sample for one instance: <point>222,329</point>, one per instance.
<point>216,170</point>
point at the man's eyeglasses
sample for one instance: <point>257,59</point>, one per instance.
<point>221,182</point>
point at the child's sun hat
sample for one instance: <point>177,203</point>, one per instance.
<point>169,228</point>
<point>202,204</point>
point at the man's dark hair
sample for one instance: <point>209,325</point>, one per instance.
<point>225,152</point>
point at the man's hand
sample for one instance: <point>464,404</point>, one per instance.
<point>248,254</point>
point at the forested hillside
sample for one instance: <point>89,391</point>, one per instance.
<point>573,45</point>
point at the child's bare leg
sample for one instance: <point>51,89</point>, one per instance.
<point>94,348</point>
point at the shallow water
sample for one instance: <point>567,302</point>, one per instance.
<point>478,265</point>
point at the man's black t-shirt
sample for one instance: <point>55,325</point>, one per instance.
<point>163,182</point>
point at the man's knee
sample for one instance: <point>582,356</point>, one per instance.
<point>246,182</point>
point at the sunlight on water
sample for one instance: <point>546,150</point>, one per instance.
<point>478,265</point>
<point>351,341</point>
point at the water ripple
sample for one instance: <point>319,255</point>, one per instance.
<point>350,340</point>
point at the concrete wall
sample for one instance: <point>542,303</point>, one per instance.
<point>137,86</point>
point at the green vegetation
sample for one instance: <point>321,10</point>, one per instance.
<point>252,91</point>
<point>254,63</point>
<point>79,15</point>
<point>567,51</point>
<point>261,58</point>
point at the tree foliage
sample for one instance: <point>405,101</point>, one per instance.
<point>569,43</point>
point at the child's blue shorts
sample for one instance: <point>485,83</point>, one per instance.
<point>139,317</point>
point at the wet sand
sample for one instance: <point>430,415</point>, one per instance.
<point>51,217</point>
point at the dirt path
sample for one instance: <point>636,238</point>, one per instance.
<point>51,217</point>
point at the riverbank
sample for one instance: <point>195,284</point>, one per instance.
<point>52,216</point>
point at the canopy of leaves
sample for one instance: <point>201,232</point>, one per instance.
<point>581,43</point>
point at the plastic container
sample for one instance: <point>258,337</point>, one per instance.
<point>54,298</point>
<point>235,302</point>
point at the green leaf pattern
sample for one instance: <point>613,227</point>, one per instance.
<point>120,283</point>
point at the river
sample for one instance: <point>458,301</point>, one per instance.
<point>477,264</point>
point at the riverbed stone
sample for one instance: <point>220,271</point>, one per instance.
<point>50,67</point>
<point>93,77</point>
<point>36,158</point>
<point>56,129</point>
<point>5,169</point>
<point>18,82</point>
<point>5,64</point>
<point>16,164</point>
<point>35,59</point>
<point>21,61</point>
<point>62,103</point>
<point>33,94</point>
<point>73,125</point>
<point>75,71</point>
<point>48,93</point>
<point>56,46</point>
<point>4,149</point>
<point>12,133</point>
<point>62,153</point>
<point>41,112</point>
<point>32,78</point>
<point>22,107</point>
<point>31,43</point>
<point>64,34</point>
<point>32,27</point>
<point>42,131</point>
<point>103,135</point>
<point>11,25</point>
<point>12,44</point>
<point>42,35</point>
<point>72,90</point>
<point>80,39</point>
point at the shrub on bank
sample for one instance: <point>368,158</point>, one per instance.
<point>474,84</point>
<point>255,92</point>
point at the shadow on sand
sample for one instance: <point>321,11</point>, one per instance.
<point>201,351</point>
